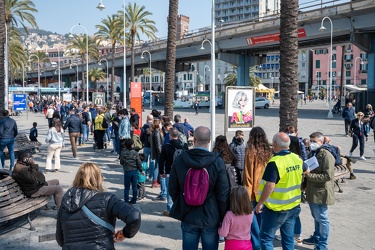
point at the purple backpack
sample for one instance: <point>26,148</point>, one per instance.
<point>196,186</point>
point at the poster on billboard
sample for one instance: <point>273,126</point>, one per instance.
<point>19,102</point>
<point>67,97</point>
<point>239,113</point>
<point>98,98</point>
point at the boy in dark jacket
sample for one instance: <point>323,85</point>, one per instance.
<point>131,163</point>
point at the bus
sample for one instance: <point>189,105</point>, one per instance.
<point>204,99</point>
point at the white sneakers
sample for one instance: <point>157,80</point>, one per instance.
<point>362,158</point>
<point>350,154</point>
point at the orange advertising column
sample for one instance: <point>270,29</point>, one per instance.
<point>136,99</point>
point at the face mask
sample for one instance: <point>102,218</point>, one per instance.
<point>291,134</point>
<point>314,146</point>
<point>239,139</point>
<point>119,117</point>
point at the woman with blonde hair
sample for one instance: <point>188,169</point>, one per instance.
<point>359,133</point>
<point>258,153</point>
<point>55,139</point>
<point>87,215</point>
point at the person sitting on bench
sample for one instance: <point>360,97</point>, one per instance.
<point>32,182</point>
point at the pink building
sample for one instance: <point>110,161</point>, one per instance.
<point>349,66</point>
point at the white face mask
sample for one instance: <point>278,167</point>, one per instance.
<point>314,146</point>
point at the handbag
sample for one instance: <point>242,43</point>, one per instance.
<point>97,220</point>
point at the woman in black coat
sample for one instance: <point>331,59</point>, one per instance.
<point>75,229</point>
<point>359,133</point>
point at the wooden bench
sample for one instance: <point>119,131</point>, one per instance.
<point>340,172</point>
<point>14,204</point>
<point>23,143</point>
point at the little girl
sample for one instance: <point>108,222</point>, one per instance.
<point>237,221</point>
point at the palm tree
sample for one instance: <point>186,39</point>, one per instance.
<point>19,12</point>
<point>77,46</point>
<point>2,43</point>
<point>136,18</point>
<point>42,58</point>
<point>111,30</point>
<point>171,58</point>
<point>96,74</point>
<point>288,64</point>
<point>231,78</point>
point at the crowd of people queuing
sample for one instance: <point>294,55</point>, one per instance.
<point>249,189</point>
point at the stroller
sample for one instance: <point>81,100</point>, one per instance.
<point>337,108</point>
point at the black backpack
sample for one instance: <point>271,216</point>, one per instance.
<point>104,123</point>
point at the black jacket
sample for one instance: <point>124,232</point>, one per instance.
<point>166,156</point>
<point>74,124</point>
<point>8,128</point>
<point>357,128</point>
<point>157,140</point>
<point>28,177</point>
<point>74,230</point>
<point>129,159</point>
<point>239,149</point>
<point>145,136</point>
<point>212,212</point>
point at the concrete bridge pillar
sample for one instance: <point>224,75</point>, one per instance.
<point>243,63</point>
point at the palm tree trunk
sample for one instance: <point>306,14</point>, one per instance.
<point>288,64</point>
<point>2,44</point>
<point>113,73</point>
<point>171,58</point>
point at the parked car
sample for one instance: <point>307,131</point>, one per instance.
<point>262,102</point>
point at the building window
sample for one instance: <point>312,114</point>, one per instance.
<point>348,81</point>
<point>190,76</point>
<point>348,73</point>
<point>334,64</point>
<point>317,64</point>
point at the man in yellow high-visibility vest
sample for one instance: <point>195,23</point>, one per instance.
<point>279,194</point>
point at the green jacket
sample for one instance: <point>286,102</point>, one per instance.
<point>320,181</point>
<point>129,159</point>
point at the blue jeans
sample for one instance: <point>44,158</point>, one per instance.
<point>116,145</point>
<point>320,215</point>
<point>361,144</point>
<point>107,135</point>
<point>154,169</point>
<point>10,144</point>
<point>298,227</point>
<point>272,221</point>
<point>191,235</point>
<point>147,153</point>
<point>131,177</point>
<point>163,187</point>
<point>84,133</point>
<point>255,229</point>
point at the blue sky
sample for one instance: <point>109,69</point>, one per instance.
<point>59,16</point>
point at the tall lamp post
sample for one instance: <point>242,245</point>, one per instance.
<point>87,59</point>
<point>355,69</point>
<point>70,66</point>
<point>6,71</point>
<point>58,71</point>
<point>149,54</point>
<point>100,63</point>
<point>317,81</point>
<point>212,80</point>
<point>58,66</point>
<point>38,72</point>
<point>102,7</point>
<point>322,28</point>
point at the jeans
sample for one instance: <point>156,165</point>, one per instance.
<point>164,191</point>
<point>84,133</point>
<point>191,235</point>
<point>107,135</point>
<point>361,144</point>
<point>320,215</point>
<point>255,229</point>
<point>154,169</point>
<point>347,125</point>
<point>10,144</point>
<point>298,227</point>
<point>284,220</point>
<point>147,153</point>
<point>116,145</point>
<point>131,177</point>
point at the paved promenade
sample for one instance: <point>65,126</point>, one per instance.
<point>352,217</point>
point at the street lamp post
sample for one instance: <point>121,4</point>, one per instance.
<point>100,63</point>
<point>322,28</point>
<point>102,7</point>
<point>6,71</point>
<point>317,81</point>
<point>87,59</point>
<point>58,66</point>
<point>355,69</point>
<point>58,71</point>
<point>38,72</point>
<point>148,52</point>
<point>212,89</point>
<point>70,66</point>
